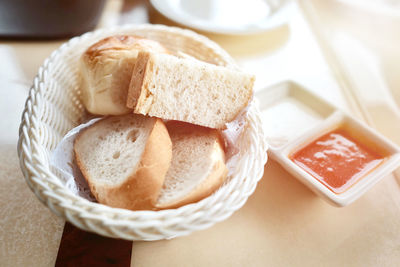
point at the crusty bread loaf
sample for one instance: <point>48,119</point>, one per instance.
<point>124,160</point>
<point>106,69</point>
<point>197,168</point>
<point>188,90</point>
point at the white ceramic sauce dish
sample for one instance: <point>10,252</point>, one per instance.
<point>294,118</point>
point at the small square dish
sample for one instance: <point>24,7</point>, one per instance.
<point>278,103</point>
<point>335,155</point>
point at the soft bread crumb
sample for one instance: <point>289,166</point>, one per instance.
<point>188,90</point>
<point>124,160</point>
<point>198,165</point>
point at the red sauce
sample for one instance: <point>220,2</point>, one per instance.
<point>337,160</point>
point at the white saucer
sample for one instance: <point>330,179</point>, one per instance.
<point>234,17</point>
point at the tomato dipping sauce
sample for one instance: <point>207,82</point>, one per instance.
<point>337,160</point>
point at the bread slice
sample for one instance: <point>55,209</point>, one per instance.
<point>106,68</point>
<point>124,160</point>
<point>197,168</point>
<point>188,90</point>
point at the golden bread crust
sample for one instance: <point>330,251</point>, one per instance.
<point>106,70</point>
<point>219,173</point>
<point>141,189</point>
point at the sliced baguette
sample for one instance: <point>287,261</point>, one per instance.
<point>106,69</point>
<point>197,168</point>
<point>124,160</point>
<point>188,90</point>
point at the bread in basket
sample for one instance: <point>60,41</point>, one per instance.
<point>54,107</point>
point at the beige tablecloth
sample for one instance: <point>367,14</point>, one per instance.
<point>282,224</point>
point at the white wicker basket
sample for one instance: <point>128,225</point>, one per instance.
<point>53,108</point>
